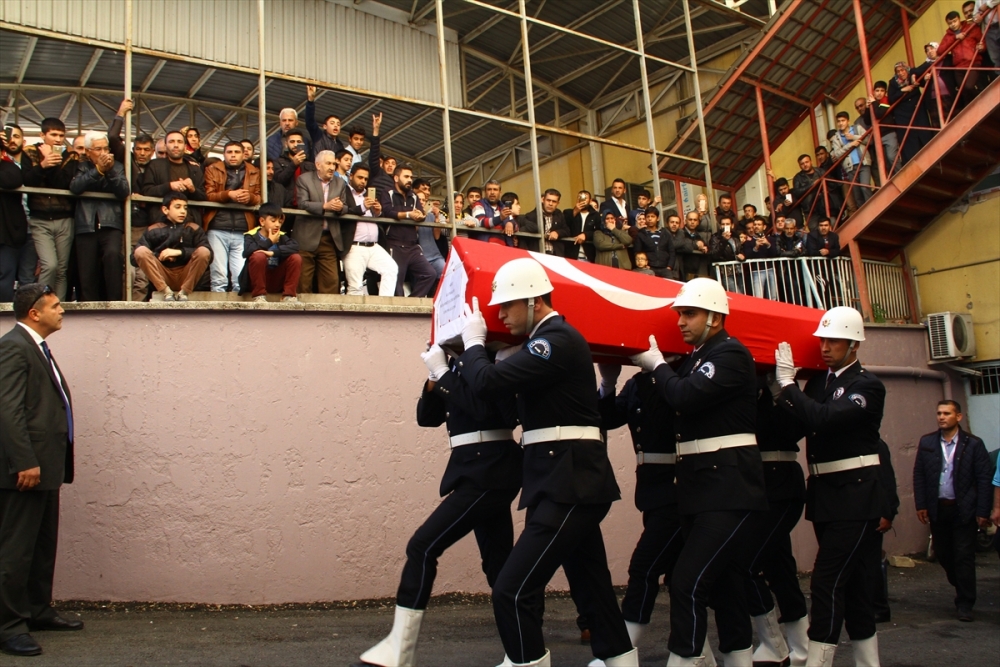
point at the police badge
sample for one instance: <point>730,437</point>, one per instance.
<point>838,393</point>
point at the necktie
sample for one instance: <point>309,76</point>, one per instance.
<point>830,377</point>
<point>65,399</point>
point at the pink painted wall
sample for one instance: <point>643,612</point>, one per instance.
<point>272,457</point>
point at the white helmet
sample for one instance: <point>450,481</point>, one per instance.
<point>703,293</point>
<point>522,278</point>
<point>841,322</point>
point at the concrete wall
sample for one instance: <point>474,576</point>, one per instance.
<point>267,457</point>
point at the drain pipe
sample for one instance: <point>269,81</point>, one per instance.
<point>917,373</point>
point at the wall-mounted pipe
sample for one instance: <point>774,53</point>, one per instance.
<point>912,371</point>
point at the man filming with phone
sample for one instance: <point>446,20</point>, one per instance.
<point>360,240</point>
<point>293,161</point>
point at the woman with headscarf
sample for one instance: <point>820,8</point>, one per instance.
<point>904,96</point>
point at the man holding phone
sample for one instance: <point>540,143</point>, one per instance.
<point>293,162</point>
<point>360,240</point>
<point>17,250</point>
<point>52,216</point>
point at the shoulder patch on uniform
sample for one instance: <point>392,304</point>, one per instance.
<point>859,399</point>
<point>540,348</point>
<point>838,393</point>
<point>707,369</point>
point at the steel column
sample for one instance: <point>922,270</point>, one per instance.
<point>859,22</point>
<point>697,103</point>
<point>650,132</point>
<point>261,102</point>
<point>861,280</point>
<point>449,168</point>
<point>904,18</point>
<point>127,137</point>
<point>533,131</point>
<point>765,144</point>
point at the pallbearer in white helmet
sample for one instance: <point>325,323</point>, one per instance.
<point>568,484</point>
<point>839,413</point>
<point>720,479</point>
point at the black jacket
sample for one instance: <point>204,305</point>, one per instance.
<point>560,248</point>
<point>714,393</point>
<point>839,422</point>
<point>377,178</point>
<point>393,203</point>
<point>815,243</point>
<point>93,214</point>
<point>752,251</point>
<point>50,207</point>
<point>140,210</point>
<point>971,479</point>
<point>651,423</point>
<point>284,171</point>
<point>486,465</point>
<point>887,477</point>
<point>658,246</point>
<point>156,183</point>
<point>13,221</point>
<point>775,433</point>
<point>553,378</point>
<point>578,226</point>
<point>789,246</point>
<point>720,250</point>
<point>252,242</point>
<point>187,238</point>
<point>321,141</point>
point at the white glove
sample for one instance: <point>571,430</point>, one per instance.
<point>436,361</point>
<point>784,366</point>
<point>650,359</point>
<point>474,330</point>
<point>609,375</point>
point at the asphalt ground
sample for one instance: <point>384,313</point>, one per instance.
<point>458,630</point>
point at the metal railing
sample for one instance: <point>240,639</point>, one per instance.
<point>887,291</point>
<point>818,282</point>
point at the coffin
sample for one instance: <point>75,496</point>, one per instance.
<point>615,310</point>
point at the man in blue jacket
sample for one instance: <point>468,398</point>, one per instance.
<point>951,489</point>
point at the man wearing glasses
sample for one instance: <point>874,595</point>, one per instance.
<point>36,449</point>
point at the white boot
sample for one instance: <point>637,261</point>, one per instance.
<point>820,655</point>
<point>674,660</point>
<point>630,659</point>
<point>798,641</point>
<point>706,651</point>
<point>742,658</point>
<point>544,661</point>
<point>772,645</point>
<point>866,652</point>
<point>506,661</point>
<point>635,631</point>
<point>399,649</point>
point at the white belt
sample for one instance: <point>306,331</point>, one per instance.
<point>481,436</point>
<point>708,445</point>
<point>645,458</point>
<point>844,464</point>
<point>555,433</point>
<point>779,456</point>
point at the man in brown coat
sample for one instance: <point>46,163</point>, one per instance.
<point>232,181</point>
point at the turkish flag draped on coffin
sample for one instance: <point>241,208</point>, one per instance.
<point>615,310</point>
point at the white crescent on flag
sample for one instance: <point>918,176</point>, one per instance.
<point>616,295</point>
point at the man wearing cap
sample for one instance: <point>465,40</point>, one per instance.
<point>482,478</point>
<point>568,483</point>
<point>839,412</point>
<point>720,479</point>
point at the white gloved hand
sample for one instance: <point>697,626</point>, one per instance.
<point>609,376</point>
<point>784,366</point>
<point>650,359</point>
<point>436,361</point>
<point>474,329</point>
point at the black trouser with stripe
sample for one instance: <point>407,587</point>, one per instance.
<point>710,571</point>
<point>654,556</point>
<point>772,567</point>
<point>556,535</point>
<point>467,508</point>
<point>840,591</point>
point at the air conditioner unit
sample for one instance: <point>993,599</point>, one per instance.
<point>951,335</point>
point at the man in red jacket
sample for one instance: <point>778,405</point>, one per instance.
<point>964,41</point>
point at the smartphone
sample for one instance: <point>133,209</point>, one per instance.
<point>371,193</point>
<point>702,205</point>
<point>59,148</point>
<point>507,204</point>
<point>788,199</point>
<point>582,197</point>
<point>8,132</point>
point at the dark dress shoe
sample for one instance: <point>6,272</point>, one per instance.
<point>965,615</point>
<point>21,645</point>
<point>883,617</point>
<point>55,623</point>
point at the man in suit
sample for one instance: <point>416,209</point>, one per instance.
<point>175,174</point>
<point>616,203</point>
<point>951,489</point>
<point>36,452</point>
<point>319,193</point>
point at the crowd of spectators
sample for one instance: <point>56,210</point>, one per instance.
<point>76,244</point>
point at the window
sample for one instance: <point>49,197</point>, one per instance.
<point>987,383</point>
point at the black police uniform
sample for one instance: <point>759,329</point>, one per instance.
<point>714,394</point>
<point>651,423</point>
<point>568,487</point>
<point>840,419</point>
<point>479,484</point>
<point>878,580</point>
<point>773,568</point>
